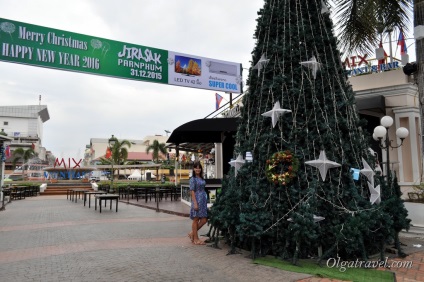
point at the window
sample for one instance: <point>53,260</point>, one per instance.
<point>5,123</point>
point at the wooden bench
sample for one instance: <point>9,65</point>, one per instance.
<point>105,198</point>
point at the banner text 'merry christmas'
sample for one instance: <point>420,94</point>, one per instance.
<point>20,51</point>
<point>52,38</point>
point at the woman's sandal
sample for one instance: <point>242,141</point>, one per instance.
<point>191,237</point>
<point>199,242</point>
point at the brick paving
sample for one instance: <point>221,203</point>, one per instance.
<point>54,239</point>
<point>51,239</point>
<point>415,273</point>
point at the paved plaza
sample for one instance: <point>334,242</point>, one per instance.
<point>50,238</point>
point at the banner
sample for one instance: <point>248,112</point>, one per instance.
<point>57,49</point>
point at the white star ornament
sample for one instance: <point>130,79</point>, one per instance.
<point>313,65</point>
<point>375,194</point>
<point>261,63</point>
<point>275,113</point>
<point>323,164</point>
<point>237,163</point>
<point>368,172</point>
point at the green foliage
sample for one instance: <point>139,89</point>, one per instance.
<point>361,24</point>
<point>157,148</point>
<point>21,155</point>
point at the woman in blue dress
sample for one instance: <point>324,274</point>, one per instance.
<point>199,209</point>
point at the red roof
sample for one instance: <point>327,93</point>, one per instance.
<point>139,156</point>
<point>135,156</point>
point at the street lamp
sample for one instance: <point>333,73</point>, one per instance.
<point>112,142</point>
<point>382,131</point>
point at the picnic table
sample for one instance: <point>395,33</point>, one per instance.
<point>106,197</point>
<point>89,193</point>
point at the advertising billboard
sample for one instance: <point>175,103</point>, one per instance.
<point>39,46</point>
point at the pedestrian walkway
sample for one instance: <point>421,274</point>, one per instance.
<point>54,239</point>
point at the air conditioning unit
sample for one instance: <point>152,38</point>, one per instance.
<point>222,68</point>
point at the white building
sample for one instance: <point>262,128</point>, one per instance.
<point>25,125</point>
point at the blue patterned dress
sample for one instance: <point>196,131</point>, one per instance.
<point>197,185</point>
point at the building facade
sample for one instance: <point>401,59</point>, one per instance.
<point>24,125</point>
<point>137,152</point>
<point>394,94</point>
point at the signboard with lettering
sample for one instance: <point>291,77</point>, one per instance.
<point>52,48</point>
<point>357,65</point>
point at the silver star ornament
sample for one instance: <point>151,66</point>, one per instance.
<point>275,113</point>
<point>313,65</point>
<point>375,197</point>
<point>323,164</point>
<point>368,172</point>
<point>260,64</point>
<point>237,163</point>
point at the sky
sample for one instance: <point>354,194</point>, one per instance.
<point>84,106</point>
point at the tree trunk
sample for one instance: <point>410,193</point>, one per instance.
<point>419,46</point>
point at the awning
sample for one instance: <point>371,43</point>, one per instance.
<point>201,134</point>
<point>374,104</point>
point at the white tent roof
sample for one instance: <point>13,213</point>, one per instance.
<point>136,174</point>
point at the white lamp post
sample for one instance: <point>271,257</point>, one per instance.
<point>112,142</point>
<point>382,131</point>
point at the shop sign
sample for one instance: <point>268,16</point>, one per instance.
<point>75,164</point>
<point>354,64</point>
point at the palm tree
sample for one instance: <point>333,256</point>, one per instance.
<point>23,155</point>
<point>361,23</point>
<point>119,154</point>
<point>157,148</point>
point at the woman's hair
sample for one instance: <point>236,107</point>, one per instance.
<point>197,164</point>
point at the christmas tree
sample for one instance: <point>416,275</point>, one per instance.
<point>298,197</point>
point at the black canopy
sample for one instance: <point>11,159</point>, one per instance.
<point>200,134</point>
<point>203,131</point>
